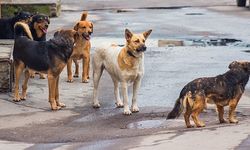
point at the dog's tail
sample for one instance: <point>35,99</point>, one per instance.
<point>22,29</point>
<point>84,16</point>
<point>177,110</point>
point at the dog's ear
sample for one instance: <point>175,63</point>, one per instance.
<point>57,33</point>
<point>92,27</point>
<point>233,64</point>
<point>128,34</point>
<point>84,16</point>
<point>76,26</point>
<point>16,13</point>
<point>147,33</point>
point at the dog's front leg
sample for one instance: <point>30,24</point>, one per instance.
<point>118,102</point>
<point>57,94</point>
<point>136,86</point>
<point>69,70</point>
<point>52,91</point>
<point>125,98</point>
<point>85,65</point>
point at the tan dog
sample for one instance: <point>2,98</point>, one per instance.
<point>125,65</point>
<point>82,49</point>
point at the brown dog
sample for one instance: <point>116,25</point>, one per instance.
<point>222,90</point>
<point>48,57</point>
<point>82,49</point>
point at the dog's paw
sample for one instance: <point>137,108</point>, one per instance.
<point>85,81</point>
<point>190,126</point>
<point>76,76</point>
<point>16,99</point>
<point>23,98</point>
<point>135,109</point>
<point>32,75</point>
<point>56,108</point>
<point>119,104</point>
<point>233,120</point>
<point>42,76</point>
<point>223,121</point>
<point>70,80</point>
<point>201,124</point>
<point>61,105</point>
<point>96,105</point>
<point>127,112</point>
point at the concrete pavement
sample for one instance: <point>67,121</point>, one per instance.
<point>31,125</point>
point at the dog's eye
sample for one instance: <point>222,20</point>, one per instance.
<point>143,41</point>
<point>137,41</point>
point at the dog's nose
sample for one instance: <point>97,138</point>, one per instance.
<point>90,33</point>
<point>46,25</point>
<point>143,48</point>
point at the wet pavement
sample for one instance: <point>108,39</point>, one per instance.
<point>31,125</point>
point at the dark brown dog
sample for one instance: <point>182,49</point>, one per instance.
<point>38,27</point>
<point>222,90</point>
<point>82,49</point>
<point>48,57</point>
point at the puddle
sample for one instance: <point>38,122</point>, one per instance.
<point>156,123</point>
<point>200,42</point>
<point>194,14</point>
<point>146,124</point>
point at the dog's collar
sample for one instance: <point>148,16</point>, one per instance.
<point>130,54</point>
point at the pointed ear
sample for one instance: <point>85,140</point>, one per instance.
<point>128,34</point>
<point>92,27</point>
<point>233,64</point>
<point>84,16</point>
<point>76,26</point>
<point>147,33</point>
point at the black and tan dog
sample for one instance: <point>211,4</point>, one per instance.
<point>38,27</point>
<point>7,24</point>
<point>82,49</point>
<point>222,90</point>
<point>48,57</point>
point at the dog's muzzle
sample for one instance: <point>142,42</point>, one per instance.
<point>142,48</point>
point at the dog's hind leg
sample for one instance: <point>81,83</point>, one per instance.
<point>119,103</point>
<point>125,98</point>
<point>187,116</point>
<point>25,84</point>
<point>220,110</point>
<point>19,66</point>
<point>232,106</point>
<point>197,109</point>
<point>85,66</point>
<point>52,92</point>
<point>136,86</point>
<point>97,73</point>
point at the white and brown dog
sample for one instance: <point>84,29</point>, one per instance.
<point>125,65</point>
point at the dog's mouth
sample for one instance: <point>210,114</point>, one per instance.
<point>86,36</point>
<point>44,30</point>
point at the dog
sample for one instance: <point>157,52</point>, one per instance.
<point>39,27</point>
<point>81,50</point>
<point>7,24</point>
<point>222,90</point>
<point>48,57</point>
<point>124,65</point>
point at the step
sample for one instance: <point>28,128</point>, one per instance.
<point>6,66</point>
